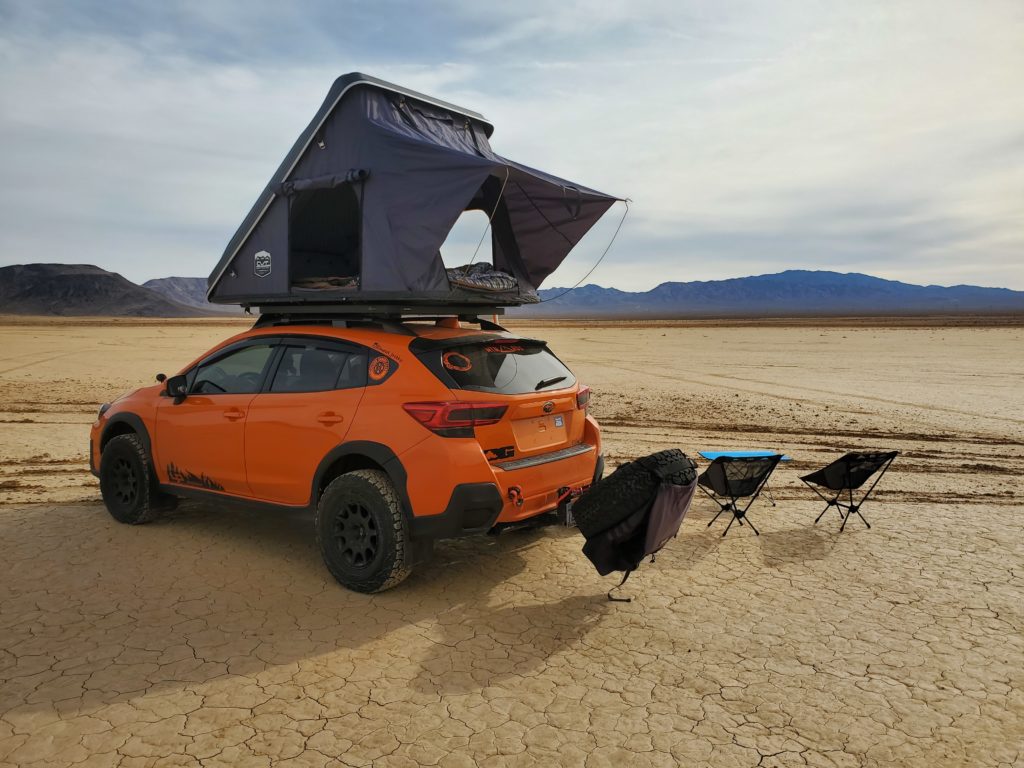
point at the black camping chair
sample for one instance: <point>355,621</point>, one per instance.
<point>845,475</point>
<point>733,478</point>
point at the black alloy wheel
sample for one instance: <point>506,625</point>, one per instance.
<point>363,532</point>
<point>356,533</point>
<point>126,480</point>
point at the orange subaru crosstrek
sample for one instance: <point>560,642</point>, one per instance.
<point>395,433</point>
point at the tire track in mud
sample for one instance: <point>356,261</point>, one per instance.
<point>873,398</point>
<point>611,421</point>
<point>795,399</point>
<point>41,361</point>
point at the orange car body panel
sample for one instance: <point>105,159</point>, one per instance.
<point>267,446</point>
<point>201,442</point>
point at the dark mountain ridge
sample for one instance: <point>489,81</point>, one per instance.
<point>80,289</point>
<point>190,291</point>
<point>789,293</point>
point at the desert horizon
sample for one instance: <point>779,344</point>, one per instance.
<point>216,635</point>
<point>770,251</point>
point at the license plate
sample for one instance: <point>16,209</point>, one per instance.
<point>539,432</point>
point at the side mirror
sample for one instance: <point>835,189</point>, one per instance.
<point>161,377</point>
<point>177,387</point>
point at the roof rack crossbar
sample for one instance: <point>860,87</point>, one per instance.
<point>382,310</point>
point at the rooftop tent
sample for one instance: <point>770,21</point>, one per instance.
<point>359,208</point>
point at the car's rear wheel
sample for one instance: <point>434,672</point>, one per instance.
<point>126,480</point>
<point>362,532</point>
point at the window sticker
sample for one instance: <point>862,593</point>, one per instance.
<point>379,368</point>
<point>456,361</point>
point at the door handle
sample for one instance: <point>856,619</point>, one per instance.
<point>234,414</point>
<point>329,418</point>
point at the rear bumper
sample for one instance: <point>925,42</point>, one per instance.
<point>473,508</point>
<point>453,490</point>
<point>479,494</point>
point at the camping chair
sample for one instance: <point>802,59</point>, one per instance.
<point>847,474</point>
<point>734,478</point>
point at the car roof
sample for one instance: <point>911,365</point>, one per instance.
<point>393,332</point>
<point>371,334</point>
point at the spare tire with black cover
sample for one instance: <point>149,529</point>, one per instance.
<point>631,487</point>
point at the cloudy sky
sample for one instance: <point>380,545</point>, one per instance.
<point>880,137</point>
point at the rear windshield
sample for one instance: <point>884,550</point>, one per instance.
<point>510,368</point>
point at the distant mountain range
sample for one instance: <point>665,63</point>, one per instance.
<point>73,289</point>
<point>80,289</point>
<point>789,293</point>
<point>190,291</point>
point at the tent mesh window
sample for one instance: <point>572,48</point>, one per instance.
<point>324,239</point>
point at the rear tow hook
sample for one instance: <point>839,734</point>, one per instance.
<point>515,495</point>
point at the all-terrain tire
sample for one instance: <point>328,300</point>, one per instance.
<point>362,531</point>
<point>631,487</point>
<point>126,480</point>
<point>670,466</point>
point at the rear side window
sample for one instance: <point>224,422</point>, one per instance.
<point>509,368</point>
<point>314,368</point>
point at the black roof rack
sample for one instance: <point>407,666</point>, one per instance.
<point>382,310</point>
<point>349,318</point>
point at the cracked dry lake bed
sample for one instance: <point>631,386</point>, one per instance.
<point>214,636</point>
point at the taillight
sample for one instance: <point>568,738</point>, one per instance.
<point>455,419</point>
<point>583,396</point>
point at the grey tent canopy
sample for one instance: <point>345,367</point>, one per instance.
<point>359,208</point>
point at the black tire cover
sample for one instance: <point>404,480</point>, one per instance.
<point>630,488</point>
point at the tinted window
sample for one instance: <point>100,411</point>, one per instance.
<point>238,372</point>
<point>508,368</point>
<point>310,368</point>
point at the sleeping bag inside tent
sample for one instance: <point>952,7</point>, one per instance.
<point>359,209</point>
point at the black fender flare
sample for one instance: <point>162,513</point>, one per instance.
<point>137,425</point>
<point>379,454</point>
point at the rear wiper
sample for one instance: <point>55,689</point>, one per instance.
<point>548,382</point>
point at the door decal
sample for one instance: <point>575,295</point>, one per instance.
<point>184,477</point>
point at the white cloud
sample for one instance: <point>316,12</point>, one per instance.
<point>877,137</point>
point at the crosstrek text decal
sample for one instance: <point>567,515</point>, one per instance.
<point>505,349</point>
<point>387,352</point>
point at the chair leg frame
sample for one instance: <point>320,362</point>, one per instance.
<point>851,507</point>
<point>738,515</point>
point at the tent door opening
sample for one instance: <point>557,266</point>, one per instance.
<point>324,239</point>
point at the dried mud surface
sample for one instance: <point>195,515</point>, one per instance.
<point>214,636</point>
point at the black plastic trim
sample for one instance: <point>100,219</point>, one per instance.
<point>202,494</point>
<point>381,455</point>
<point>472,509</point>
<point>134,422</point>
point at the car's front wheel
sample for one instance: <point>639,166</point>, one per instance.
<point>362,532</point>
<point>126,480</point>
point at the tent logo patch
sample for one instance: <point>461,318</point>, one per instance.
<point>262,264</point>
